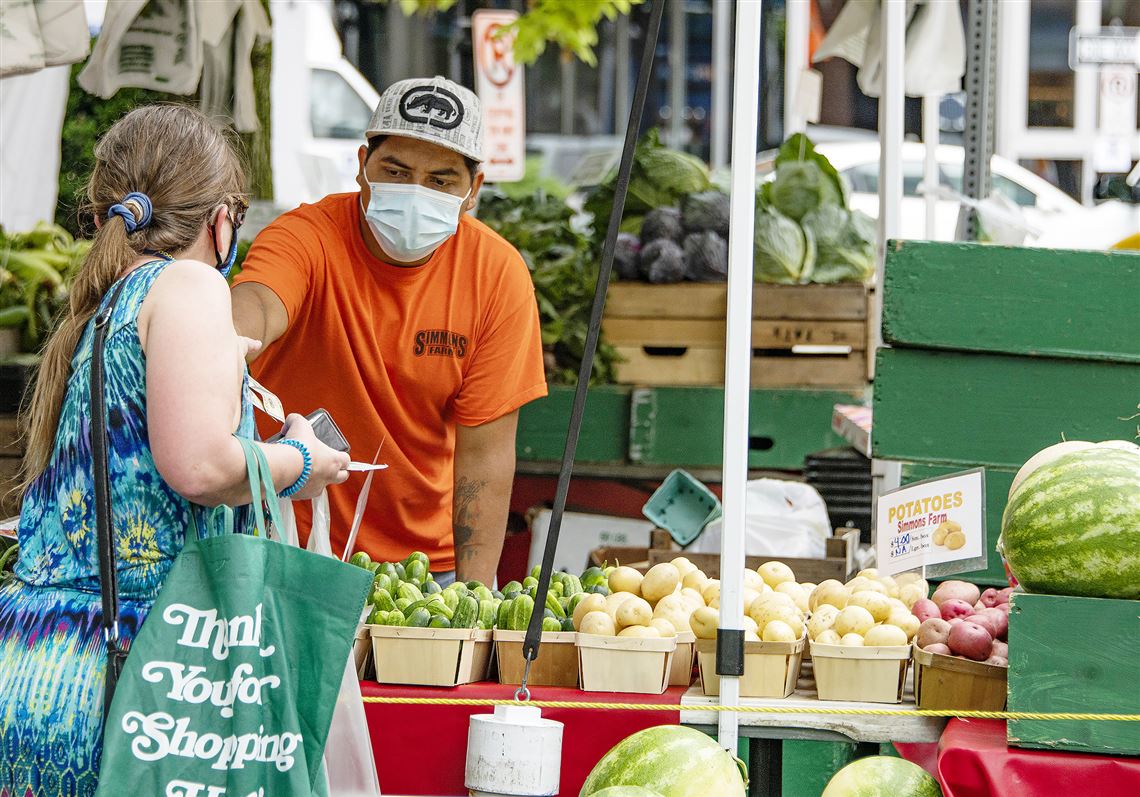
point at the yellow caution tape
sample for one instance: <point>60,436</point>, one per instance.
<point>874,712</point>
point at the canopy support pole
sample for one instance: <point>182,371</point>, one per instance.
<point>798,29</point>
<point>721,80</point>
<point>930,132</point>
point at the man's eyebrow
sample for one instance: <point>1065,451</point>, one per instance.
<point>391,161</point>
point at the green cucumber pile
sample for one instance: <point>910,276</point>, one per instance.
<point>406,594</point>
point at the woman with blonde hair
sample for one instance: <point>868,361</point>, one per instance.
<point>166,196</point>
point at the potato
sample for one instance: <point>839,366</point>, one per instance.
<point>664,627</point>
<point>868,572</point>
<point>752,580</point>
<point>878,604</point>
<point>790,617</point>
<point>910,577</point>
<point>660,581</point>
<point>901,618</point>
<point>704,621</point>
<point>853,620</point>
<point>614,601</point>
<point>891,585</point>
<point>831,593</point>
<point>807,587</point>
<point>775,573</point>
<point>591,603</point>
<point>625,579</point>
<point>778,631</point>
<point>818,623</point>
<point>765,607</point>
<point>683,565</point>
<point>933,631</point>
<point>642,631</point>
<point>673,609</point>
<point>715,602</point>
<point>910,594</point>
<point>598,623</point>
<point>851,640</point>
<point>749,624</point>
<point>635,611</point>
<point>828,637</point>
<point>970,640</point>
<point>710,590</point>
<point>751,636</point>
<point>885,635</point>
<point>748,596</point>
<point>694,579</point>
<point>863,583</point>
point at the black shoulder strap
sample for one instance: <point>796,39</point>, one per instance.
<point>108,578</point>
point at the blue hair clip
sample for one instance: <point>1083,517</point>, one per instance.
<point>120,209</point>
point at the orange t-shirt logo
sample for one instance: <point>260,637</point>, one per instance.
<point>440,343</point>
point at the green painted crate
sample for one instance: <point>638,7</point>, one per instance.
<point>1027,301</point>
<point>605,426</point>
<point>685,426</point>
<point>997,490</point>
<point>1074,655</point>
<point>995,410</point>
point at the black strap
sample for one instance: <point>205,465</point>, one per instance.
<point>534,630</point>
<point>108,578</point>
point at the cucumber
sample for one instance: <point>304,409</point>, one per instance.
<point>521,609</point>
<point>458,586</point>
<point>439,621</point>
<point>502,614</point>
<point>451,597</point>
<point>486,614</point>
<point>377,617</point>
<point>416,571</point>
<point>598,589</point>
<point>414,606</point>
<point>512,586</point>
<point>431,588</point>
<point>418,556</point>
<point>440,609</point>
<point>410,591</point>
<point>530,582</point>
<point>360,559</point>
<point>482,593</point>
<point>419,618</point>
<point>574,601</point>
<point>556,589</point>
<point>571,585</point>
<point>403,603</point>
<point>382,599</point>
<point>389,569</point>
<point>401,574</point>
<point>593,577</point>
<point>466,615</point>
<point>567,623</point>
<point>373,567</point>
<point>553,605</point>
<point>549,614</point>
<point>551,624</point>
<point>536,572</point>
<point>381,581</point>
<point>498,596</point>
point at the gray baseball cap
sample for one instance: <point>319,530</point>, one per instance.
<point>435,110</point>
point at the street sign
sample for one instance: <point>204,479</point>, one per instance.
<point>499,84</point>
<point>1104,47</point>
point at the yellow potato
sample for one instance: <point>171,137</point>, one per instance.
<point>853,620</point>
<point>635,611</point>
<point>751,636</point>
<point>885,635</point>
<point>749,624</point>
<point>664,627</point>
<point>692,598</point>
<point>775,573</point>
<point>818,623</point>
<point>598,623</point>
<point>828,637</point>
<point>891,585</point>
<point>591,603</point>
<point>906,621</point>
<point>830,593</point>
<point>869,572</point>
<point>625,579</point>
<point>878,604</point>
<point>910,594</point>
<point>660,581</point>
<point>694,579</point>
<point>752,580</point>
<point>673,609</point>
<point>902,579</point>
<point>683,565</point>
<point>711,590</point>
<point>778,631</point>
<point>790,617</point>
<point>614,601</point>
<point>642,631</point>
<point>863,583</point>
<point>704,621</point>
<point>851,640</point>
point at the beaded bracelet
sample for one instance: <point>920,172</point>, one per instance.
<point>306,471</point>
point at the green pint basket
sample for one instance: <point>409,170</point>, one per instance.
<point>682,506</point>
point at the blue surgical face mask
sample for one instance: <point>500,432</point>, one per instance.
<point>410,221</point>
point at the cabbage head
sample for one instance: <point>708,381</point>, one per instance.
<point>845,244</point>
<point>784,252</point>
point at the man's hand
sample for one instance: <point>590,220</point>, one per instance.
<point>484,474</point>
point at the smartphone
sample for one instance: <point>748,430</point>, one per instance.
<point>325,429</point>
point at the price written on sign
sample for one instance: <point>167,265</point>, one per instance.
<point>931,522</point>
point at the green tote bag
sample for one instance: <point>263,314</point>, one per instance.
<point>230,685</point>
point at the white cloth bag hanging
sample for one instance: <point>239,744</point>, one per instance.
<point>782,518</point>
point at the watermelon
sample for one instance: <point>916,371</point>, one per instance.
<point>882,776</point>
<point>670,760</point>
<point>1073,526</point>
<point>626,791</point>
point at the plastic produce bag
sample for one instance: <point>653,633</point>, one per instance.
<point>350,767</point>
<point>782,518</point>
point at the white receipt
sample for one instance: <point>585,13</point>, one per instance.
<point>364,467</point>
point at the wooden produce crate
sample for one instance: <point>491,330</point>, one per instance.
<point>604,437</point>
<point>771,669</point>
<point>681,672</point>
<point>1074,655</point>
<point>430,656</point>
<point>637,558</point>
<point>802,335</point>
<point>362,652</point>
<point>950,682</point>
<point>556,665</point>
<point>867,674</point>
<point>625,664</point>
<point>838,562</point>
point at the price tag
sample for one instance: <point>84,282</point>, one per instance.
<point>939,522</point>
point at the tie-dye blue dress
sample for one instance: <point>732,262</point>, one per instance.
<point>52,659</point>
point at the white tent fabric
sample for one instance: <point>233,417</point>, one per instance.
<point>175,45</point>
<point>40,33</point>
<point>31,120</point>
<point>935,45</point>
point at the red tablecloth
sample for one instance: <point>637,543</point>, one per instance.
<point>421,750</point>
<point>974,761</point>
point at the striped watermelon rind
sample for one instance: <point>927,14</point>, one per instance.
<point>672,760</point>
<point>882,776</point>
<point>1073,526</point>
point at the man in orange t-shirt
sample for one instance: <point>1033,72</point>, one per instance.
<point>413,324</point>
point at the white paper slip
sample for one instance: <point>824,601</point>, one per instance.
<point>265,401</point>
<point>364,467</point>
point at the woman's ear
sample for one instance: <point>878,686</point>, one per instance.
<point>98,221</point>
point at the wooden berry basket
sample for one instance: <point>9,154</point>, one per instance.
<point>865,674</point>
<point>771,669</point>
<point>625,664</point>
<point>556,665</point>
<point>430,656</point>
<point>949,682</point>
<point>681,671</point>
<point>362,652</point>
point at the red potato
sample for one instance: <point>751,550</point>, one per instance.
<point>956,590</point>
<point>938,647</point>
<point>970,640</point>
<point>924,609</point>
<point>1000,649</point>
<point>955,608</point>
<point>1003,595</point>
<point>1000,661</point>
<point>956,620</point>
<point>934,631</point>
<point>990,598</point>
<point>1001,621</point>
<point>985,621</point>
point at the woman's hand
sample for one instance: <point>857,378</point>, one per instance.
<point>329,465</point>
